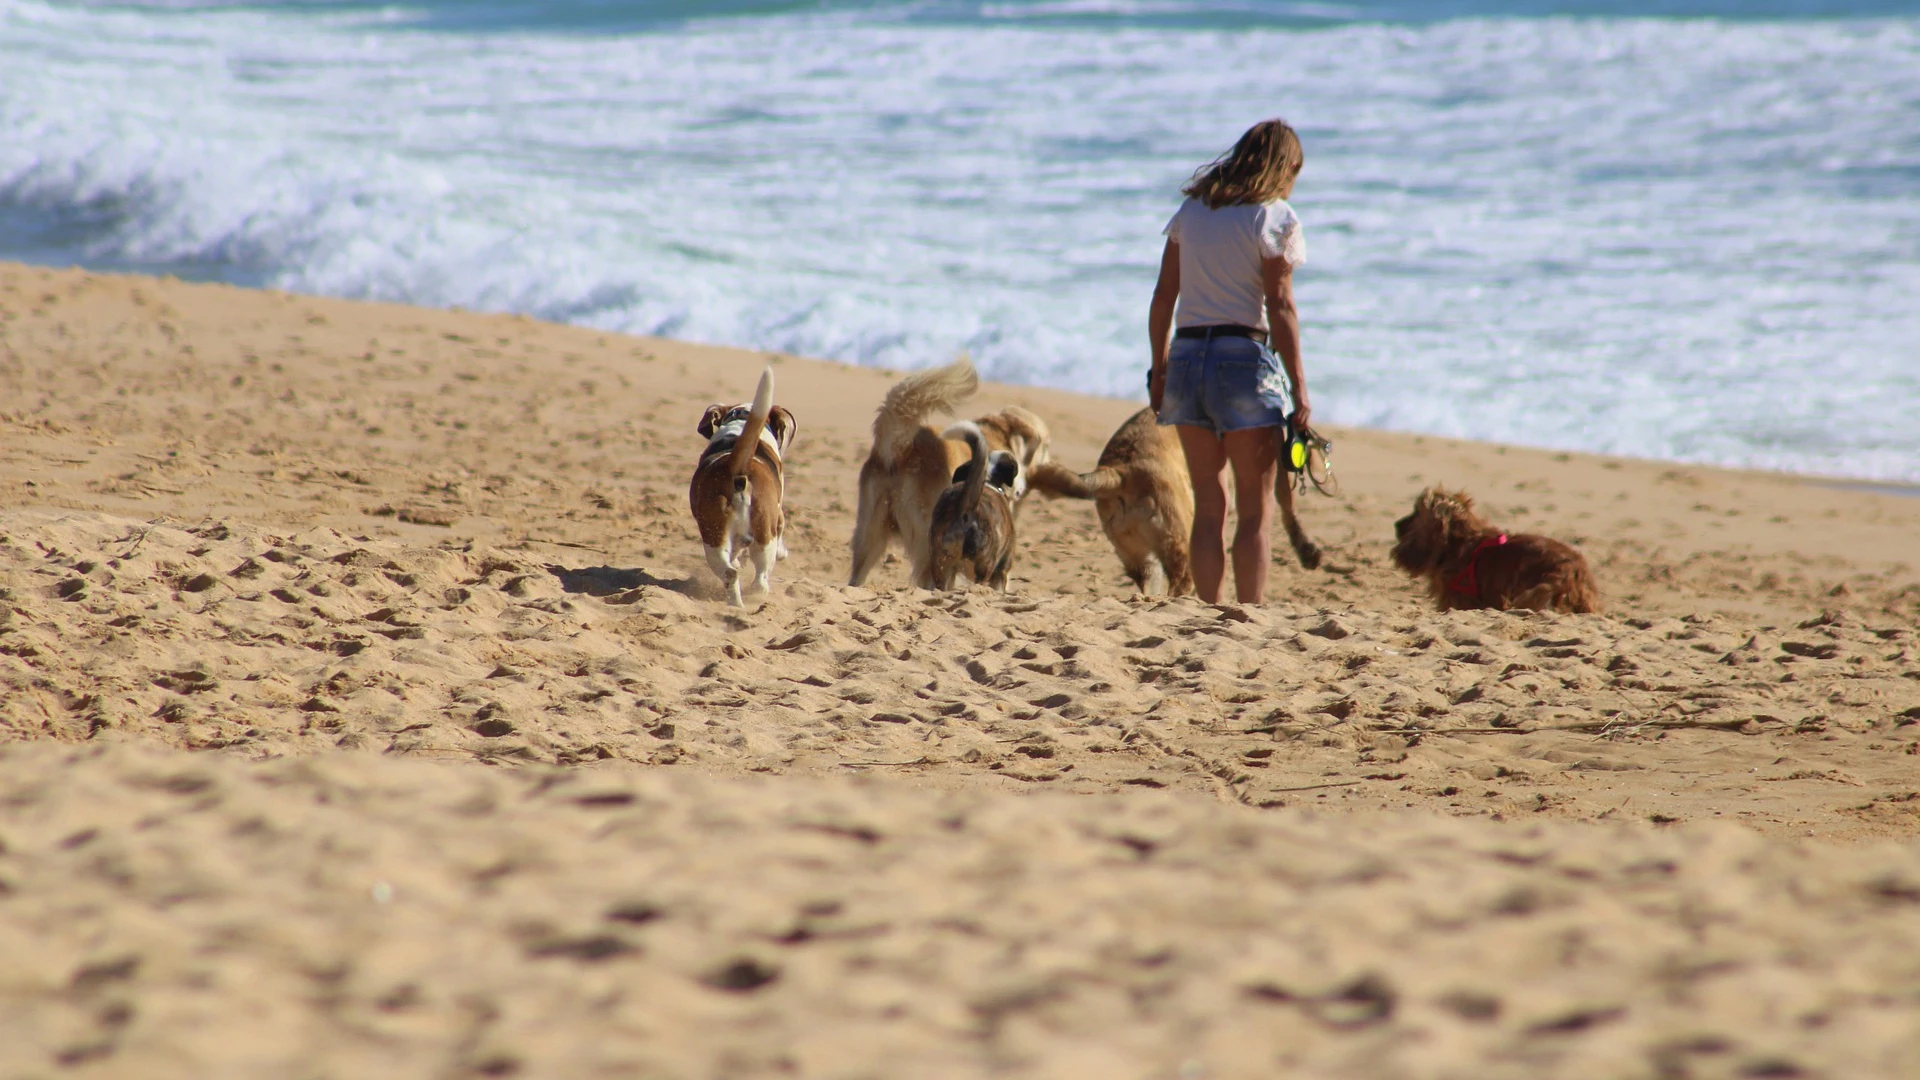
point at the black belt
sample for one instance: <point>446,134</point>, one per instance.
<point>1207,333</point>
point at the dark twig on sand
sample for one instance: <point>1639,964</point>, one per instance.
<point>1602,727</point>
<point>1311,787</point>
<point>564,543</point>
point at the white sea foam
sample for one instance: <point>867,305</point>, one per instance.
<point>1686,239</point>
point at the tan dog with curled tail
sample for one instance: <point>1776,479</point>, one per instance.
<point>1144,498</point>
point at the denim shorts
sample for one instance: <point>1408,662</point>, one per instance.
<point>1223,384</point>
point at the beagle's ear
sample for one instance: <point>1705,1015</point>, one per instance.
<point>1016,445</point>
<point>783,425</point>
<point>711,420</point>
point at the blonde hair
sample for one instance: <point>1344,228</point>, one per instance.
<point>1260,168</point>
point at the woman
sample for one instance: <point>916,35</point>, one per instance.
<point>1229,261</point>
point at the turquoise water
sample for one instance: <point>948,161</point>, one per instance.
<point>1679,230</point>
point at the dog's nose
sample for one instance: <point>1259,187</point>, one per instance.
<point>1400,527</point>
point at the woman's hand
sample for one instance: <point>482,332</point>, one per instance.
<point>1301,413</point>
<point>1156,387</point>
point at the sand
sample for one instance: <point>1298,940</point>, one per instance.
<point>368,709</point>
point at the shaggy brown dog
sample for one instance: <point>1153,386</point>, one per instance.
<point>911,464</point>
<point>1468,563</point>
<point>972,525</point>
<point>1144,496</point>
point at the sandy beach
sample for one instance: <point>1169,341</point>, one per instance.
<point>367,708</point>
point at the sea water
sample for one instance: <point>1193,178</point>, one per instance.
<point>1684,229</point>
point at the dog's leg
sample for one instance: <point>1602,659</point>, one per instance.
<point>920,560</point>
<point>1150,578</point>
<point>740,542</point>
<point>763,558</point>
<point>721,560</point>
<point>1306,550</point>
<point>1173,560</point>
<point>1141,568</point>
<point>870,535</point>
<point>940,573</point>
<point>924,573</point>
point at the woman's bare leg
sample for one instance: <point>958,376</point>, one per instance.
<point>1254,454</point>
<point>1207,464</point>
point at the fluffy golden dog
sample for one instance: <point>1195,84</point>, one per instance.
<point>1144,496</point>
<point>911,464</point>
<point>1468,563</point>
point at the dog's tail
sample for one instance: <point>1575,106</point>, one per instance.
<point>1059,481</point>
<point>914,397</point>
<point>976,440</point>
<point>750,435</point>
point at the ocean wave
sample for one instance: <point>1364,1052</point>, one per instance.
<point>1691,240</point>
<point>602,16</point>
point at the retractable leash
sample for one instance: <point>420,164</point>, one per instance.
<point>1310,459</point>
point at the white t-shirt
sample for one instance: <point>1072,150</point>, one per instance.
<point>1220,253</point>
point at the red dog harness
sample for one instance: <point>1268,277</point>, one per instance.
<point>1469,580</point>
